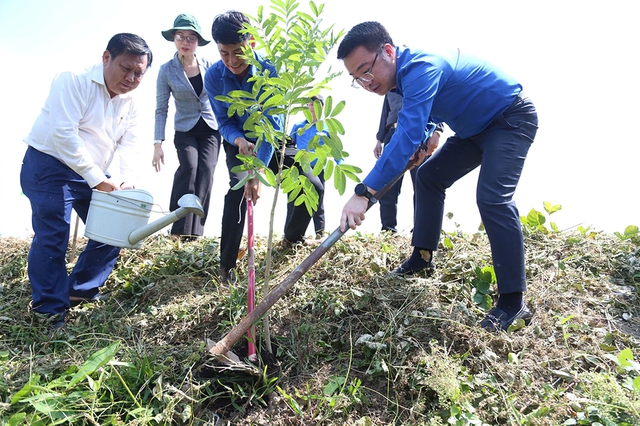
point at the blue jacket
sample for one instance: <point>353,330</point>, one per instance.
<point>460,90</point>
<point>220,81</point>
<point>189,106</point>
<point>302,141</point>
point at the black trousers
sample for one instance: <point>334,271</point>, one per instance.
<point>198,156</point>
<point>235,206</point>
<point>318,216</point>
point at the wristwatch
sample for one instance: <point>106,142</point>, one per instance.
<point>362,191</point>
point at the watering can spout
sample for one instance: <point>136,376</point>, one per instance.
<point>188,203</point>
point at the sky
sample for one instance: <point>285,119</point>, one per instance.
<point>576,60</point>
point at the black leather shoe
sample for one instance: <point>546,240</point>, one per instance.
<point>498,320</point>
<point>227,276</point>
<point>410,267</point>
<point>53,323</point>
<point>420,260</point>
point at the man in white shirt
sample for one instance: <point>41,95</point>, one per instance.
<point>87,118</point>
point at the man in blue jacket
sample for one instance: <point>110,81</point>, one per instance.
<point>494,125</point>
<point>233,72</point>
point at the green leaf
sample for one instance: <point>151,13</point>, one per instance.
<point>516,325</point>
<point>338,109</point>
<point>447,243</point>
<point>17,419</point>
<point>33,383</point>
<point>551,208</point>
<point>484,287</point>
<point>535,218</point>
<point>478,298</point>
<point>566,319</point>
<point>241,182</point>
<point>328,171</point>
<point>340,182</point>
<point>625,357</point>
<point>291,401</point>
<point>95,361</point>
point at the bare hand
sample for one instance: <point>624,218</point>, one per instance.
<point>252,190</point>
<point>418,157</point>
<point>353,212</point>
<point>433,142</point>
<point>377,151</point>
<point>158,156</point>
<point>106,186</point>
<point>244,146</point>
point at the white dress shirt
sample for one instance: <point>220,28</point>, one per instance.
<point>82,126</point>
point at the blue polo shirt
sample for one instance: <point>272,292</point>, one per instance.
<point>218,80</point>
<point>302,141</point>
<point>461,90</point>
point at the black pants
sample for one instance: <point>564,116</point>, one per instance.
<point>235,207</point>
<point>198,156</point>
<point>318,216</point>
<point>500,151</point>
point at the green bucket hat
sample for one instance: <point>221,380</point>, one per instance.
<point>185,21</point>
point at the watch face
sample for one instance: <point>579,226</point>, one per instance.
<point>361,189</point>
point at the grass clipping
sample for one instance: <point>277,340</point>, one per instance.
<point>353,343</point>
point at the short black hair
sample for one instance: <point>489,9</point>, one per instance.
<point>372,35</point>
<point>226,28</point>
<point>129,44</point>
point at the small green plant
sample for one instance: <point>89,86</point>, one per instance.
<point>631,232</point>
<point>535,220</point>
<point>484,279</point>
<point>629,368</point>
<point>65,398</point>
<point>296,43</point>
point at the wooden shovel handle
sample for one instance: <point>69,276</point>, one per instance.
<point>227,342</point>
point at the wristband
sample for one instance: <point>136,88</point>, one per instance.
<point>157,141</point>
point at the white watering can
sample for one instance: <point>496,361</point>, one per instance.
<point>119,218</point>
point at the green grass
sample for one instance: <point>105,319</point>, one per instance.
<point>352,343</point>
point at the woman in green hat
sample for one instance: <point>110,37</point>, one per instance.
<point>196,139</point>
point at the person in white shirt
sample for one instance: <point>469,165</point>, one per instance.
<point>87,118</point>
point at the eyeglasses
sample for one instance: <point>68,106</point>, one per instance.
<point>367,77</point>
<point>188,39</point>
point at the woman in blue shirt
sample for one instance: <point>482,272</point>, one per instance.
<point>494,125</point>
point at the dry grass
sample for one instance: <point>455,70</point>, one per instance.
<point>354,344</point>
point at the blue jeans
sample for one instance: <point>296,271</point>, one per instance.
<point>500,151</point>
<point>53,190</point>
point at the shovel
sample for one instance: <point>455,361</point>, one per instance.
<point>251,290</point>
<point>222,349</point>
